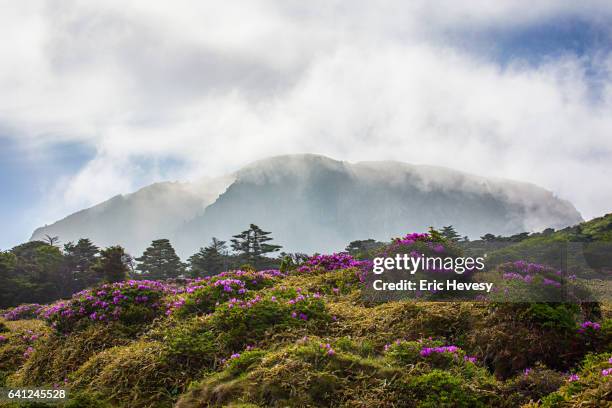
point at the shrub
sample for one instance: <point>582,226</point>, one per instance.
<point>137,375</point>
<point>440,389</point>
<point>515,336</point>
<point>308,373</point>
<point>335,261</point>
<point>590,387</point>
<point>532,385</point>
<point>59,355</point>
<point>240,322</point>
<point>19,344</point>
<point>203,295</point>
<point>192,344</point>
<point>430,352</point>
<point>522,281</point>
<point>27,311</point>
<point>130,302</point>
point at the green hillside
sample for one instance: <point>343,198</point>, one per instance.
<point>584,249</point>
<point>307,337</point>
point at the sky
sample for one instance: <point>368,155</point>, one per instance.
<point>99,98</point>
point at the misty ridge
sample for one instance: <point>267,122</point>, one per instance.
<point>313,203</point>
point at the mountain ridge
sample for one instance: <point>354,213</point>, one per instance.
<point>330,202</point>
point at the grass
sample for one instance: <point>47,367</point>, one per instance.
<point>191,360</point>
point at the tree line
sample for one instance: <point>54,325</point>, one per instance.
<point>41,271</point>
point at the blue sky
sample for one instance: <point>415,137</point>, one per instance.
<point>101,99</point>
<point>26,176</point>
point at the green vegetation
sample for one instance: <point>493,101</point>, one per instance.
<point>307,336</point>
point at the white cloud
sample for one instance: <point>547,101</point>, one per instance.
<point>218,85</point>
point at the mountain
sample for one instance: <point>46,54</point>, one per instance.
<point>134,220</point>
<point>314,203</point>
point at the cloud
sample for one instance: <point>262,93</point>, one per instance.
<point>216,86</point>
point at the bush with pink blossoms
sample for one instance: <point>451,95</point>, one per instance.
<point>590,387</point>
<point>130,302</point>
<point>434,353</point>
<point>242,321</point>
<point>203,295</point>
<point>27,311</point>
<point>532,385</point>
<point>522,281</point>
<point>335,261</point>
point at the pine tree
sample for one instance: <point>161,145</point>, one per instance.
<point>111,266</point>
<point>79,258</point>
<point>210,260</point>
<point>450,234</point>
<point>253,242</point>
<point>160,261</point>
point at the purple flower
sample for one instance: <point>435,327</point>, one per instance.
<point>573,377</point>
<point>588,325</point>
<point>426,351</point>
<point>470,359</point>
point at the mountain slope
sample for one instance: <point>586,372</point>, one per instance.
<point>134,220</point>
<point>329,202</point>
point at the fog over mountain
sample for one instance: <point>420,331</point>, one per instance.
<point>314,203</point>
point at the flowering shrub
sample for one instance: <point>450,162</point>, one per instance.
<point>27,311</point>
<point>431,352</point>
<point>241,362</point>
<point>439,259</point>
<point>532,384</point>
<point>522,281</point>
<point>131,302</point>
<point>587,388</point>
<point>341,260</point>
<point>410,239</point>
<point>242,321</point>
<point>589,326</point>
<point>203,295</point>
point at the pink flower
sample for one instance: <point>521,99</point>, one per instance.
<point>470,359</point>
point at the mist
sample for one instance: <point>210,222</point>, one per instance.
<point>210,88</point>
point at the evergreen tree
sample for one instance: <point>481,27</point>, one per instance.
<point>10,287</point>
<point>361,248</point>
<point>111,267</point>
<point>160,261</point>
<point>210,260</point>
<point>489,237</point>
<point>450,234</point>
<point>79,258</point>
<point>253,242</point>
<point>38,270</point>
